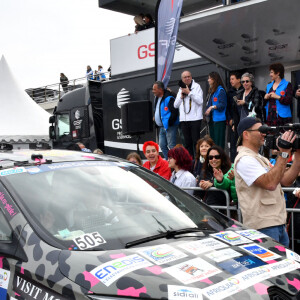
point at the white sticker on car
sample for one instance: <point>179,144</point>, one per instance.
<point>222,255</point>
<point>12,171</point>
<point>242,281</point>
<point>112,270</point>
<point>4,279</point>
<point>202,246</point>
<point>179,292</point>
<point>162,254</point>
<point>89,240</point>
<point>231,237</point>
<point>260,252</point>
<point>192,270</point>
<point>252,234</point>
<point>292,255</point>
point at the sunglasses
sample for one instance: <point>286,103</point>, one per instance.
<point>210,157</point>
<point>245,81</point>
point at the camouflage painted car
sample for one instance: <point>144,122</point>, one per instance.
<point>75,225</point>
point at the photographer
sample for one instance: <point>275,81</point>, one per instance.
<point>258,184</point>
<point>189,100</point>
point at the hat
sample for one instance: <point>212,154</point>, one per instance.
<point>245,124</point>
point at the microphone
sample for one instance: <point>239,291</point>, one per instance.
<point>268,129</point>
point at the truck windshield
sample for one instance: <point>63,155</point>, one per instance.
<point>118,202</point>
<point>63,123</point>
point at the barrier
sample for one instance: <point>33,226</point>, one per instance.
<point>229,208</point>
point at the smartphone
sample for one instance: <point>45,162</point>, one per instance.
<point>298,86</point>
<point>235,99</point>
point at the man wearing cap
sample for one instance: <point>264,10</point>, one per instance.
<point>258,184</point>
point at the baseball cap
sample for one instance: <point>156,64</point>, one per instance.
<point>245,124</point>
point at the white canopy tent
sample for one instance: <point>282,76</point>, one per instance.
<point>22,120</point>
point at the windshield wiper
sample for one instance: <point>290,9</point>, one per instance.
<point>169,234</point>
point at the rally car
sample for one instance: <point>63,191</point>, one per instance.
<point>76,225</point>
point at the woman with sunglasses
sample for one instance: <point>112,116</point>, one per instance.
<point>247,102</point>
<point>217,172</point>
<point>216,109</point>
<point>278,98</point>
<point>180,160</point>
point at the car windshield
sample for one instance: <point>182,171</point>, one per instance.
<point>115,203</point>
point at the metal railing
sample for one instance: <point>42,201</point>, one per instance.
<point>230,208</point>
<point>53,92</point>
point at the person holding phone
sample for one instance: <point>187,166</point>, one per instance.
<point>189,100</point>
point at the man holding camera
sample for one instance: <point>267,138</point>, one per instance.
<point>258,183</point>
<point>189,100</point>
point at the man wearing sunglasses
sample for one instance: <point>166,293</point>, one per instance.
<point>258,184</point>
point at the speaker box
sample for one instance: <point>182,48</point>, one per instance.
<point>136,117</point>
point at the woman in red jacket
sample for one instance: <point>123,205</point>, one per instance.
<point>155,162</point>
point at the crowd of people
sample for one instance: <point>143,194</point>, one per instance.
<point>250,179</point>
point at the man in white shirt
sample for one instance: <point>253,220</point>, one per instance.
<point>258,183</point>
<point>190,100</point>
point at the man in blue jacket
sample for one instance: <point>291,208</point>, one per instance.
<point>165,117</point>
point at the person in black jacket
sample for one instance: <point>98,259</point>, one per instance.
<point>248,101</point>
<point>166,117</point>
<point>149,23</point>
<point>236,87</point>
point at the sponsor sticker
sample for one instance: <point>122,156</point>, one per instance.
<point>12,171</point>
<point>202,246</point>
<point>162,254</point>
<point>4,279</point>
<point>32,290</point>
<point>231,237</point>
<point>239,282</point>
<point>178,292</point>
<point>112,270</point>
<point>260,252</point>
<point>89,240</point>
<point>292,255</point>
<point>192,270</point>
<point>252,234</point>
<point>222,255</point>
<point>8,208</point>
<point>241,264</point>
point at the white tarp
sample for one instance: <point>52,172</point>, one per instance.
<point>22,120</point>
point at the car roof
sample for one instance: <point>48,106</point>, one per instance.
<point>25,157</point>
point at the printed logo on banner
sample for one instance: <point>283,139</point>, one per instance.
<point>202,246</point>
<point>162,254</point>
<point>241,264</point>
<point>231,237</point>
<point>292,255</point>
<point>192,270</point>
<point>224,254</point>
<point>32,290</point>
<point>112,270</point>
<point>12,171</point>
<point>177,292</point>
<point>252,234</point>
<point>260,252</point>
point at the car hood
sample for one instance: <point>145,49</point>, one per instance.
<point>171,270</point>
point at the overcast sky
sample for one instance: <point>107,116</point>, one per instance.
<point>40,39</point>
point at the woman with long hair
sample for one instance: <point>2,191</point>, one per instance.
<point>134,158</point>
<point>215,166</point>
<point>216,109</point>
<point>181,161</point>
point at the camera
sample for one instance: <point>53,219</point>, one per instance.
<point>235,98</point>
<point>273,132</point>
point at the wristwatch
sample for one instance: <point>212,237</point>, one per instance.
<point>283,154</point>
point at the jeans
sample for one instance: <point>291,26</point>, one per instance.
<point>167,139</point>
<point>278,233</point>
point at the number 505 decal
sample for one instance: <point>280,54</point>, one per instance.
<point>89,240</point>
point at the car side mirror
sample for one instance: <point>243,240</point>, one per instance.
<point>52,134</point>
